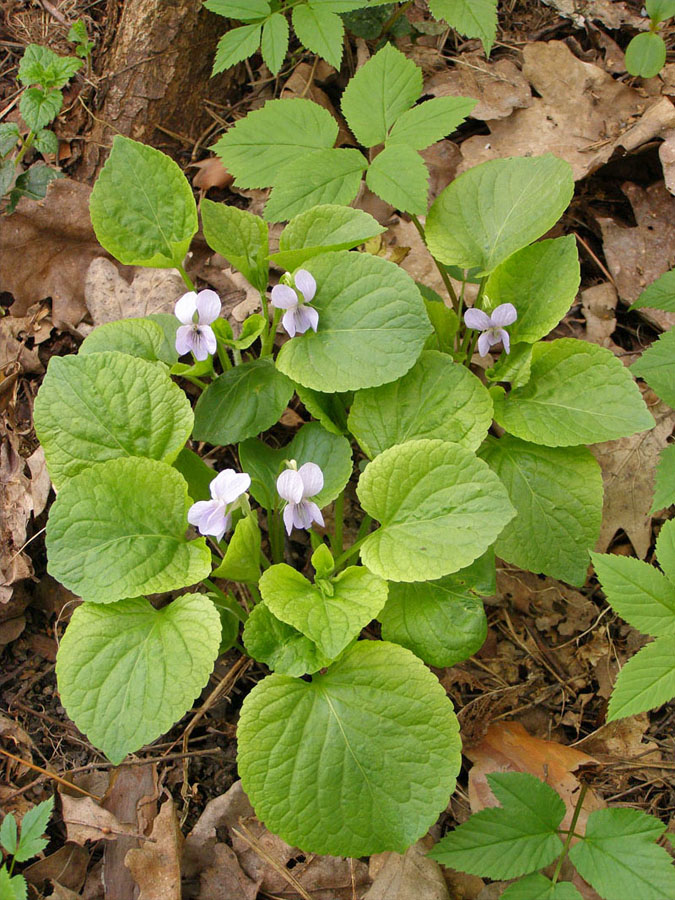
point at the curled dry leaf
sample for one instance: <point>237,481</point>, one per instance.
<point>156,865</point>
<point>500,86</point>
<point>211,173</point>
<point>86,821</point>
<point>221,812</point>
<point>399,876</point>
<point>612,13</point>
<point>66,867</point>
<point>224,878</point>
<point>598,305</point>
<point>16,505</point>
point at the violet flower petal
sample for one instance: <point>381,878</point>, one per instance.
<point>305,317</point>
<point>504,314</point>
<point>186,307</point>
<point>208,307</point>
<point>229,485</point>
<point>314,512</point>
<point>288,517</point>
<point>477,319</point>
<point>506,340</point>
<point>290,486</point>
<point>184,339</point>
<point>198,342</point>
<point>484,343</point>
<point>288,321</point>
<point>312,479</point>
<point>284,297</point>
<point>306,284</point>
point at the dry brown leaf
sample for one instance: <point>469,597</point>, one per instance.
<point>63,893</point>
<point>582,114</point>
<point>624,739</point>
<point>628,469</point>
<point>67,866</point>
<point>442,160</point>
<point>612,13</point>
<point>40,483</point>
<point>211,173</point>
<point>46,248</point>
<point>667,157</point>
<point>598,305</point>
<point>508,747</point>
<point>500,87</point>
<point>461,885</point>
<point>86,821</point>
<point>109,296</point>
<point>156,866</point>
<point>224,878</point>
<point>16,505</point>
<point>551,602</point>
<point>225,810</point>
<point>14,332</point>
<point>398,876</point>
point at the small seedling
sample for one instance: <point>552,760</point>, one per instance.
<point>22,844</point>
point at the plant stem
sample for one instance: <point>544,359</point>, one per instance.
<point>236,355</point>
<point>227,601</point>
<point>25,147</point>
<point>444,275</point>
<point>186,278</point>
<point>276,535</point>
<point>352,551</point>
<point>315,539</point>
<point>338,512</point>
<point>364,527</point>
<point>223,357</point>
<point>570,833</point>
<point>395,16</point>
<point>471,336</point>
<point>196,381</point>
<point>268,339</point>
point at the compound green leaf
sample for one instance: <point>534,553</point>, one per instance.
<point>440,621</point>
<point>310,753</point>
<point>473,18</point>
<point>241,402</point>
<point>323,228</point>
<point>541,281</point>
<point>33,826</point>
<point>437,398</point>
<point>319,177</point>
<point>657,367</point>
<point>384,88</point>
<point>372,325</point>
<point>429,122</point>
<point>240,237</point>
<point>646,681</point>
<point>320,30</point>
<point>538,887</point>
<point>39,107</point>
<point>274,43</point>
<point>646,54</point>
<point>658,10</point>
<point>406,192</point>
<point>12,887</point>
<point>142,338</point>
<point>312,443</point>
<point>9,834</point>
<point>330,614</point>
<point>439,507</point>
<point>236,45</point>
<point>242,557</point>
<point>497,208</point>
<point>142,207</point>
<point>106,405</point>
<point>638,592</point>
<point>665,549</point>
<point>664,488</point>
<point>619,856</point>
<point>280,646</point>
<point>244,10</point>
<point>659,295</point>
<point>578,393</point>
<point>513,839</point>
<point>258,146</point>
<point>118,529</point>
<point>557,494</point>
<point>127,671</point>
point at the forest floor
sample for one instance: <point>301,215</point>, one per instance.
<point>535,697</point>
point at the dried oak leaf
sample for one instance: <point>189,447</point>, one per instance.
<point>46,247</point>
<point>67,867</point>
<point>211,173</point>
<point>399,876</point>
<point>598,306</point>
<point>156,866</point>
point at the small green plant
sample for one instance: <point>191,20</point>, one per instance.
<point>319,26</point>
<point>43,74</point>
<point>617,854</point>
<point>21,844</point>
<point>77,34</point>
<point>646,53</point>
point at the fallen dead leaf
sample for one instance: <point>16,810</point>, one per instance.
<point>667,157</point>
<point>598,306</point>
<point>224,878</point>
<point>461,885</point>
<point>46,247</point>
<point>211,173</point>
<point>398,876</point>
<point>442,161</point>
<point>16,505</point>
<point>628,470</point>
<point>15,331</point>
<point>86,821</point>
<point>156,865</point>
<point>40,482</point>
<point>624,739</point>
<point>552,603</point>
<point>612,13</point>
<point>500,86</point>
<point>221,812</point>
<point>67,867</point>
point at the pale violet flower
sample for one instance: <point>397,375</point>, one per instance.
<point>298,316</point>
<point>492,326</point>
<point>197,311</point>
<point>214,516</point>
<point>296,487</point>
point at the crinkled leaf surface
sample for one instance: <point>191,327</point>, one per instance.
<point>541,281</point>
<point>118,529</point>
<point>619,856</point>
<point>538,887</point>
<point>513,839</point>
<point>439,507</point>
<point>311,753</point>
<point>496,208</point>
<point>40,107</point>
<point>127,671</point>
<point>240,237</point>
<point>280,646</point>
<point>106,405</point>
<point>241,402</point>
<point>557,493</point>
<point>657,367</point>
<point>408,193</point>
<point>646,681</point>
<point>474,18</point>
<point>437,398</point>
<point>440,621</point>
<point>578,393</point>
<point>330,616</point>
<point>312,443</point>
<point>142,207</point>
<point>372,325</point>
<point>135,337</point>
<point>430,121</point>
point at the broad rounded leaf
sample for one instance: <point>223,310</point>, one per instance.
<point>312,443</point>
<point>280,646</point>
<point>323,228</point>
<point>408,193</point>
<point>646,681</point>
<point>496,208</point>
<point>439,507</point>
<point>106,405</point>
<point>127,671</point>
<point>440,621</point>
<point>578,393</point>
<point>557,493</point>
<point>646,54</point>
<point>372,325</point>
<point>240,237</point>
<point>329,409</point>
<point>135,337</point>
<point>437,398</point>
<point>311,753</point>
<point>39,107</point>
<point>117,530</point>
<point>541,281</point>
<point>142,207</point>
<point>241,402</point>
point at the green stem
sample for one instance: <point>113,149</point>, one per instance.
<point>268,340</point>
<point>570,833</point>
<point>276,535</point>
<point>254,592</point>
<point>236,356</point>
<point>471,336</point>
<point>395,16</point>
<point>364,527</point>
<point>338,512</point>
<point>444,275</point>
<point>27,144</point>
<point>223,357</point>
<point>315,539</point>
<point>186,278</point>
<point>352,551</point>
<point>227,601</point>
<point>202,385</point>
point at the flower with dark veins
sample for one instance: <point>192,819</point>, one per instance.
<point>298,316</point>
<point>296,486</point>
<point>214,517</point>
<point>196,312</point>
<point>493,326</point>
